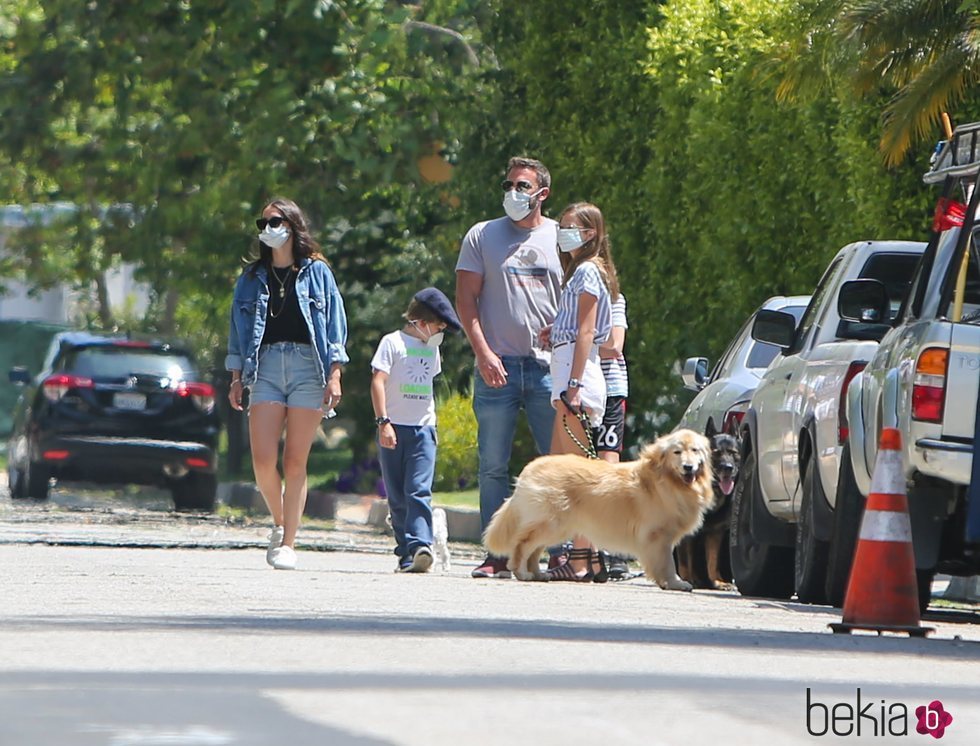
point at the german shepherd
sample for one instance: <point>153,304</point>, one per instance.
<point>702,558</point>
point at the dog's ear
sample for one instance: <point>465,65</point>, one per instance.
<point>710,430</point>
<point>655,453</point>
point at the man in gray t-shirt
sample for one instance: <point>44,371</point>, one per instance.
<point>508,279</point>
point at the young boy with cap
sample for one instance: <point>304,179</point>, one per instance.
<point>403,367</point>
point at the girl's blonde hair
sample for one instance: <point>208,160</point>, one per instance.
<point>596,249</point>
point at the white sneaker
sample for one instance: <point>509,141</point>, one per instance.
<point>422,560</point>
<point>284,558</point>
<point>275,541</point>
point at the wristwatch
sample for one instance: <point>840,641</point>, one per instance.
<point>379,421</point>
<point>574,383</point>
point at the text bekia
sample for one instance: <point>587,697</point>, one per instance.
<point>871,717</point>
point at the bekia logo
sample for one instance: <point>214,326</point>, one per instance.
<point>870,717</point>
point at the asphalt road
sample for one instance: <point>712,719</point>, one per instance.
<point>106,640</point>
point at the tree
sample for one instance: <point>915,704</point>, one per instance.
<point>927,52</point>
<point>184,118</point>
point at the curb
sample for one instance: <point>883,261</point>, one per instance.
<point>463,523</point>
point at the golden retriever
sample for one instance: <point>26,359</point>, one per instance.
<point>642,507</point>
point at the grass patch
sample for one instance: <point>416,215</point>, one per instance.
<point>461,499</point>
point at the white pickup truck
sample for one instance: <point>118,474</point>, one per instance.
<point>782,509</point>
<point>923,380</point>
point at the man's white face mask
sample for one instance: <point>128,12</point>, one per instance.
<point>518,205</point>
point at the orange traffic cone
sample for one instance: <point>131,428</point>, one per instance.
<point>882,594</point>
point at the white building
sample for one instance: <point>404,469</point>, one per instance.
<point>57,305</point>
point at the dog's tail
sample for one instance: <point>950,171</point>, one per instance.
<point>500,534</point>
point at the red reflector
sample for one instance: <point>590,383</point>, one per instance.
<point>927,403</point>
<point>843,427</point>
<point>195,389</point>
<point>197,463</point>
<point>57,386</point>
<point>55,455</point>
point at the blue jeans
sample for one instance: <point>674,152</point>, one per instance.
<point>528,386</point>
<point>408,469</point>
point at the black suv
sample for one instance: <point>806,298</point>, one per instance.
<point>114,410</point>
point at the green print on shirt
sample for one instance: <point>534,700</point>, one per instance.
<point>420,351</point>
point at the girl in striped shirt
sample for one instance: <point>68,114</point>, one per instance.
<point>583,322</point>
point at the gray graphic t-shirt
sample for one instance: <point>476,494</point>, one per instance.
<point>521,282</point>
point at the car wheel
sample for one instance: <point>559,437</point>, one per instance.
<point>759,569</point>
<point>810,564</point>
<point>37,482</point>
<point>924,580</point>
<point>196,491</point>
<point>847,523</point>
<point>15,478</point>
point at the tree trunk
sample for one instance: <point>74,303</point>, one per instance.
<point>102,297</point>
<point>168,323</point>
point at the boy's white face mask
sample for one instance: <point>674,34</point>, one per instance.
<point>431,340</point>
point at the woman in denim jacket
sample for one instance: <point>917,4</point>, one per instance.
<point>286,345</point>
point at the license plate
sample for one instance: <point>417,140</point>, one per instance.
<point>134,402</point>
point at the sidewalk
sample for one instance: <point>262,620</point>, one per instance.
<point>79,517</point>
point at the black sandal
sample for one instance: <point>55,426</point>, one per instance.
<point>565,571</point>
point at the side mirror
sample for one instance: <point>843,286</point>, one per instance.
<point>19,375</point>
<point>775,327</point>
<point>695,373</point>
<point>865,301</point>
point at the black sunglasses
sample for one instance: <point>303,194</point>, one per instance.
<point>521,186</point>
<point>273,222</point>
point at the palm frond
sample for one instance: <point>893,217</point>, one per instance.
<point>914,113</point>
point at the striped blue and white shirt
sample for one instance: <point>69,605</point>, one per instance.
<point>614,369</point>
<point>585,279</point>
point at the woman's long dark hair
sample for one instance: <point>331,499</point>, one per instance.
<point>596,249</point>
<point>304,245</point>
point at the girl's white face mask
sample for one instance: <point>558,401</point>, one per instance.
<point>274,237</point>
<point>570,239</point>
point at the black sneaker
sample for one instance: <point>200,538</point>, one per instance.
<point>618,567</point>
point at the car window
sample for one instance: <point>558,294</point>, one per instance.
<point>971,295</point>
<point>724,364</point>
<point>816,301</point>
<point>763,353</point>
<point>895,272</point>
<point>120,362</point>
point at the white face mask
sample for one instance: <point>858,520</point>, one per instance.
<point>570,239</point>
<point>432,340</point>
<point>274,237</point>
<point>517,204</point>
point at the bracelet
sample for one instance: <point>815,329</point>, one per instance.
<point>236,380</point>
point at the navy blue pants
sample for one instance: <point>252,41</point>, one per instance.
<point>408,470</point>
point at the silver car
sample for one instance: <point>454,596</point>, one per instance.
<point>723,396</point>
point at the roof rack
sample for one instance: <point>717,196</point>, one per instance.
<point>958,157</point>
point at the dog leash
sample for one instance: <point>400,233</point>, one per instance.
<point>582,416</point>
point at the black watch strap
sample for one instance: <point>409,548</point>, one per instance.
<point>379,421</point>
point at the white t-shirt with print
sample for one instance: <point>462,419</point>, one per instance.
<point>411,365</point>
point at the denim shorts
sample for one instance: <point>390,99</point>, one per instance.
<point>287,375</point>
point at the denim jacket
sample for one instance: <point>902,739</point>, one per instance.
<point>319,302</point>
